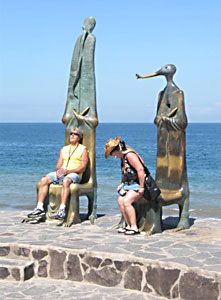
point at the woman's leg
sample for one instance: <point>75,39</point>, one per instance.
<point>130,198</point>
<point>122,208</point>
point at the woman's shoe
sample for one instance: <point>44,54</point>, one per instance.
<point>131,232</point>
<point>122,230</point>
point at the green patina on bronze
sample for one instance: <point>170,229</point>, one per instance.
<point>81,96</point>
<point>171,171</point>
<point>81,112</point>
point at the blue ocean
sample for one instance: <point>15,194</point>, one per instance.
<point>30,150</point>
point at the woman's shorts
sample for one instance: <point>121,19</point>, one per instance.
<point>134,186</point>
<point>73,176</point>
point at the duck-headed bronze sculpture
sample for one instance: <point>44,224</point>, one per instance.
<point>171,171</point>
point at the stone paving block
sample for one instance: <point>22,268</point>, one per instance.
<point>93,261</point>
<point>57,264</point>
<point>4,272</point>
<point>20,251</point>
<point>199,288</point>
<point>162,279</point>
<point>201,256</point>
<point>121,265</point>
<point>16,274</point>
<point>74,271</point>
<point>4,251</point>
<point>133,278</point>
<point>185,261</point>
<point>150,255</point>
<point>16,269</point>
<point>29,271</point>
<point>107,262</point>
<point>43,268</point>
<point>107,276</point>
<point>39,254</point>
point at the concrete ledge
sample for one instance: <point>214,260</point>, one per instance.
<point>182,265</point>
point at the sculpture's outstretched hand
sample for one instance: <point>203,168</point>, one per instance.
<point>166,120</point>
<point>83,119</point>
<point>80,116</point>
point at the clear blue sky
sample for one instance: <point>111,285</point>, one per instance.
<point>37,38</point>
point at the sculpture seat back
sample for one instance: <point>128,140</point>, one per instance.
<point>87,176</point>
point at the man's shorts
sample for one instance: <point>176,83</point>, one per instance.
<point>73,176</point>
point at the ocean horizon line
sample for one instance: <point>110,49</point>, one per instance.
<point>115,122</point>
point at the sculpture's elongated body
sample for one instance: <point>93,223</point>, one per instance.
<point>171,159</point>
<point>171,172</point>
<point>81,87</point>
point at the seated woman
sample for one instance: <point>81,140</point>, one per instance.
<point>132,186</point>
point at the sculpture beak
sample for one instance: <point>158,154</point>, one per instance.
<point>151,75</point>
<point>148,76</point>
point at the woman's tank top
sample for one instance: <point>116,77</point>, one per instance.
<point>129,172</point>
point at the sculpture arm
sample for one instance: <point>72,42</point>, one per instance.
<point>90,121</point>
<point>179,120</point>
<point>158,119</point>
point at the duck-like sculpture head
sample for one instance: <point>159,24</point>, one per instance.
<point>168,71</point>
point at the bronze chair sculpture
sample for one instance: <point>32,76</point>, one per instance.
<point>171,172</point>
<point>81,112</point>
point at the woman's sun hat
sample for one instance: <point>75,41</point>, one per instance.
<point>110,145</point>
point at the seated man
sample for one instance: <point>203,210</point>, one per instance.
<point>71,164</point>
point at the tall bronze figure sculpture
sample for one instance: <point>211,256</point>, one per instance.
<point>81,97</point>
<point>171,172</point>
<point>81,112</point>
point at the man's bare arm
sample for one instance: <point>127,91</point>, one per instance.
<point>60,161</point>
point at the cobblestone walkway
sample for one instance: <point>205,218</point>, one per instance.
<point>163,264</point>
<point>45,289</point>
<point>199,246</point>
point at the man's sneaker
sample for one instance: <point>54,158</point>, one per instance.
<point>60,214</point>
<point>36,213</point>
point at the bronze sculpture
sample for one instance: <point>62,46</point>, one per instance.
<point>171,172</point>
<point>81,112</point>
<point>81,97</point>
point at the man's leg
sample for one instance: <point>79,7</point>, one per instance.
<point>72,177</point>
<point>43,188</point>
<point>42,193</point>
<point>65,190</point>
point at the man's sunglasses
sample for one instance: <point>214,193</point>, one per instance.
<point>75,133</point>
